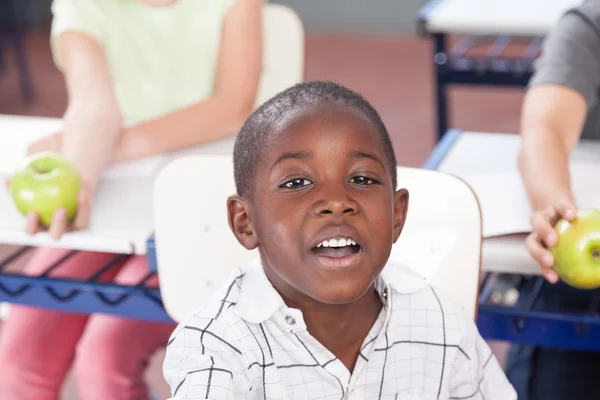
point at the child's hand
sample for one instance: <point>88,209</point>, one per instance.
<point>47,143</point>
<point>544,235</point>
<point>59,224</point>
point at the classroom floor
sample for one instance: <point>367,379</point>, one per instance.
<point>394,73</point>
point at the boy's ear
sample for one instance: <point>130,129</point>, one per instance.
<point>239,216</point>
<point>400,211</point>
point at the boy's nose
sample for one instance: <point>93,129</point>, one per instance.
<point>336,210</point>
<point>336,204</point>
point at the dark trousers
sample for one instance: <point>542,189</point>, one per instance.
<point>555,374</point>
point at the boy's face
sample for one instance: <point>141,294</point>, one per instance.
<point>323,211</point>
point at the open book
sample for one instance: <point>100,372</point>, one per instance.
<point>122,215</point>
<point>504,205</point>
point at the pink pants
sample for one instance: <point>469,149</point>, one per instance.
<point>108,354</point>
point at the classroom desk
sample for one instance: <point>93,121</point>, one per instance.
<point>492,23</point>
<point>121,223</point>
<point>530,321</point>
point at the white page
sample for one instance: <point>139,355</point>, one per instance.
<point>112,228</point>
<point>122,217</point>
<point>504,206</point>
<point>16,133</point>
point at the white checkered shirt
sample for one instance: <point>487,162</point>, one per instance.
<point>247,344</point>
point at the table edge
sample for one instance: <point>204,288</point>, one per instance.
<point>425,26</point>
<point>424,14</point>
<point>441,149</point>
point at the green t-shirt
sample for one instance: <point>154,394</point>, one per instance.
<point>161,58</point>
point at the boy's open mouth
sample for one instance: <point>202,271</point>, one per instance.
<point>336,248</point>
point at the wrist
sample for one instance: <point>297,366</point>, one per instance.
<point>89,176</point>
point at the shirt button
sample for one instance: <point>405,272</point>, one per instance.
<point>290,320</point>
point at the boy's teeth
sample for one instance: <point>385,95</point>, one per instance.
<point>337,243</point>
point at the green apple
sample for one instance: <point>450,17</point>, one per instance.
<point>577,253</point>
<point>45,182</point>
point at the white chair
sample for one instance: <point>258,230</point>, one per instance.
<point>283,51</point>
<point>196,250</point>
<point>283,67</point>
<point>442,237</point>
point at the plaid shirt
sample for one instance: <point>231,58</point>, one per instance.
<point>245,343</point>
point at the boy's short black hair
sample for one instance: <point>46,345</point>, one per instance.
<point>253,137</point>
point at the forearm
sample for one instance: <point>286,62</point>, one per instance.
<point>552,119</point>
<point>215,118</point>
<point>92,122</point>
<point>544,168</point>
<point>89,138</point>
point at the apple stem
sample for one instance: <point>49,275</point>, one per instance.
<point>596,254</point>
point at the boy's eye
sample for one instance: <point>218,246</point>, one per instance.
<point>296,183</point>
<point>362,180</point>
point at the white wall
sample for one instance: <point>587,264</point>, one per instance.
<point>358,16</point>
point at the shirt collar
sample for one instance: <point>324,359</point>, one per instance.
<point>259,300</point>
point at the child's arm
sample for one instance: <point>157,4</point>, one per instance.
<point>561,93</point>
<point>92,123</point>
<point>221,115</point>
<point>476,373</point>
<point>204,365</point>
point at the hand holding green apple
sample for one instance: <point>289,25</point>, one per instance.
<point>48,189</point>
<point>544,237</point>
<point>577,252</point>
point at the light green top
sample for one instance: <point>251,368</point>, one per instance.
<point>161,58</point>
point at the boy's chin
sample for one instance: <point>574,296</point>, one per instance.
<point>339,296</point>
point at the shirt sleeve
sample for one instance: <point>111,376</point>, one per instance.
<point>203,364</point>
<point>571,52</point>
<point>476,373</point>
<point>84,16</point>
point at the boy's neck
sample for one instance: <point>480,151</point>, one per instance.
<point>342,329</point>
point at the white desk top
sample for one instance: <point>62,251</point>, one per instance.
<point>496,17</point>
<point>474,154</point>
<point>122,217</point>
<point>499,151</point>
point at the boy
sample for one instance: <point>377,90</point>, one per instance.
<point>316,318</point>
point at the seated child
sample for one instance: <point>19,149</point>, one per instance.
<point>319,317</point>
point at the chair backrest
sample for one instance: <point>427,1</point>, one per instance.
<point>442,237</point>
<point>196,250</point>
<point>283,51</point>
